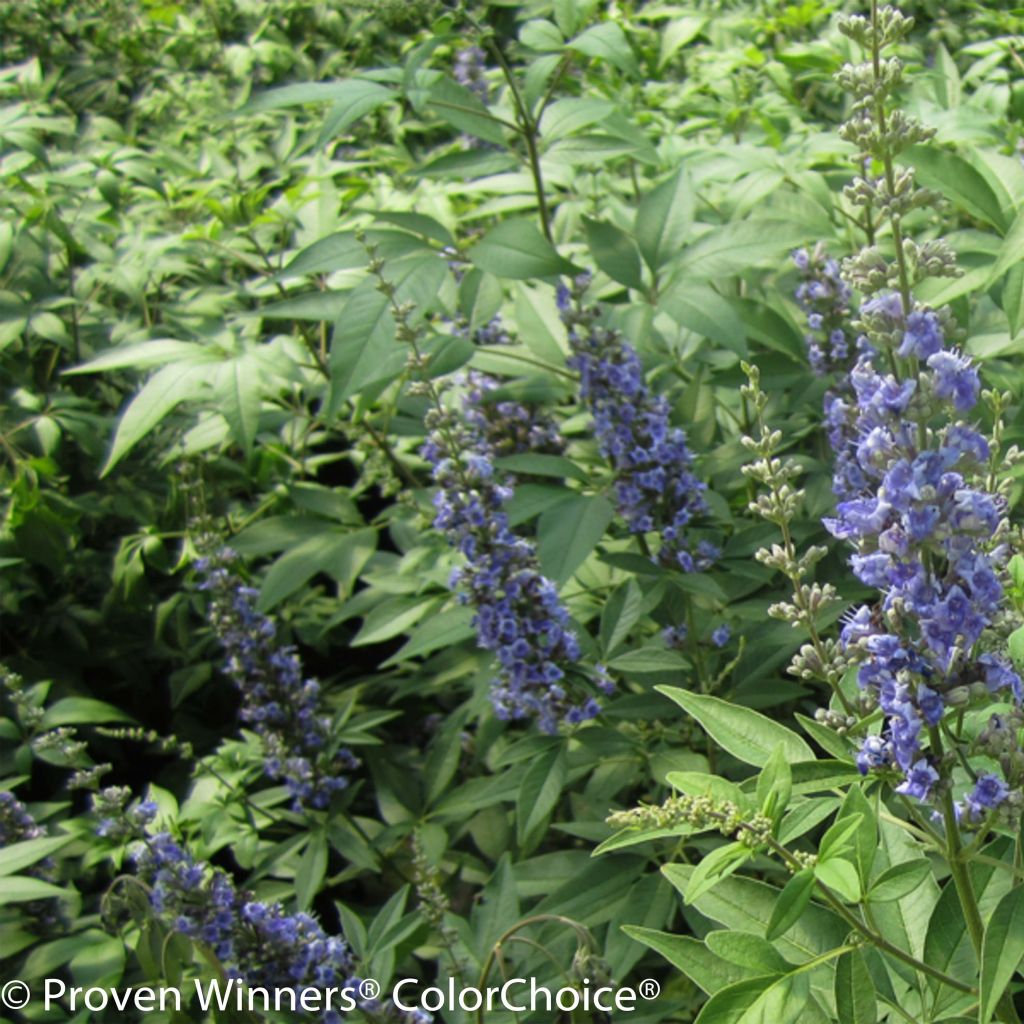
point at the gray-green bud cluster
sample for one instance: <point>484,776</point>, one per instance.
<point>699,812</point>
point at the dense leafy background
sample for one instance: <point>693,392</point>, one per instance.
<point>188,327</point>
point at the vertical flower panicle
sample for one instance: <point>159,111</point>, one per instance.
<point>282,706</point>
<point>929,537</point>
<point>655,488</point>
<point>920,511</point>
<point>519,616</point>
<point>258,943</point>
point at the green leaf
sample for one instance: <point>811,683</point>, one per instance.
<point>99,961</point>
<point>311,869</point>
<point>664,219</point>
<point>767,1000</point>
<point>948,87</point>
<point>855,990</point>
<point>516,249</point>
<point>634,837</point>
<point>1002,950</point>
<point>731,249</point>
<point>241,399</point>
<point>745,949</point>
<point>464,110</point>
<point>538,794</point>
<point>340,554</point>
<point>538,464</point>
<point>391,617</point>
<point>829,740</point>
<point>1012,298</point>
<point>899,880</point>
<point>958,181</point>
<point>903,921</point>
<point>805,816</point>
<point>81,711</point>
<point>948,945</point>
<point>865,837</point>
<point>1011,252</point>
<point>746,734</point>
<point>715,866</point>
<point>352,99</point>
<point>499,907</point>
<point>1015,646</point>
<point>839,874</point>
<point>142,356</point>
<point>21,889</point>
<point>312,306</point>
<point>838,838</point>
<point>566,535</point>
<point>703,783</point>
<point>614,252</point>
<point>699,308</point>
<point>21,855</point>
<point>775,784</point>
<point>746,904</point>
<point>540,327</point>
<point>340,251</point>
<point>680,30</point>
<point>606,41</point>
<point>418,223</point>
<point>620,614</point>
<point>706,970</point>
<point>446,629</point>
<point>160,394</point>
<point>648,660</point>
<point>791,904</point>
<point>363,346</point>
<point>566,116</point>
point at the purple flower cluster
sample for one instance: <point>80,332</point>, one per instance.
<point>923,532</point>
<point>281,706</point>
<point>257,942</point>
<point>507,427</point>
<point>519,615</point>
<point>18,826</point>
<point>825,299</point>
<point>655,488</point>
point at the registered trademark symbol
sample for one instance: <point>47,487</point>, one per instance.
<point>649,989</point>
<point>369,988</point>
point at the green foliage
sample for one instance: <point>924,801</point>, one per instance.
<point>249,249</point>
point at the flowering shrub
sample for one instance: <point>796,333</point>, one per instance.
<point>512,491</point>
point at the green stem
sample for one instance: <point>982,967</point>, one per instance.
<point>1005,1010</point>
<point>528,129</point>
